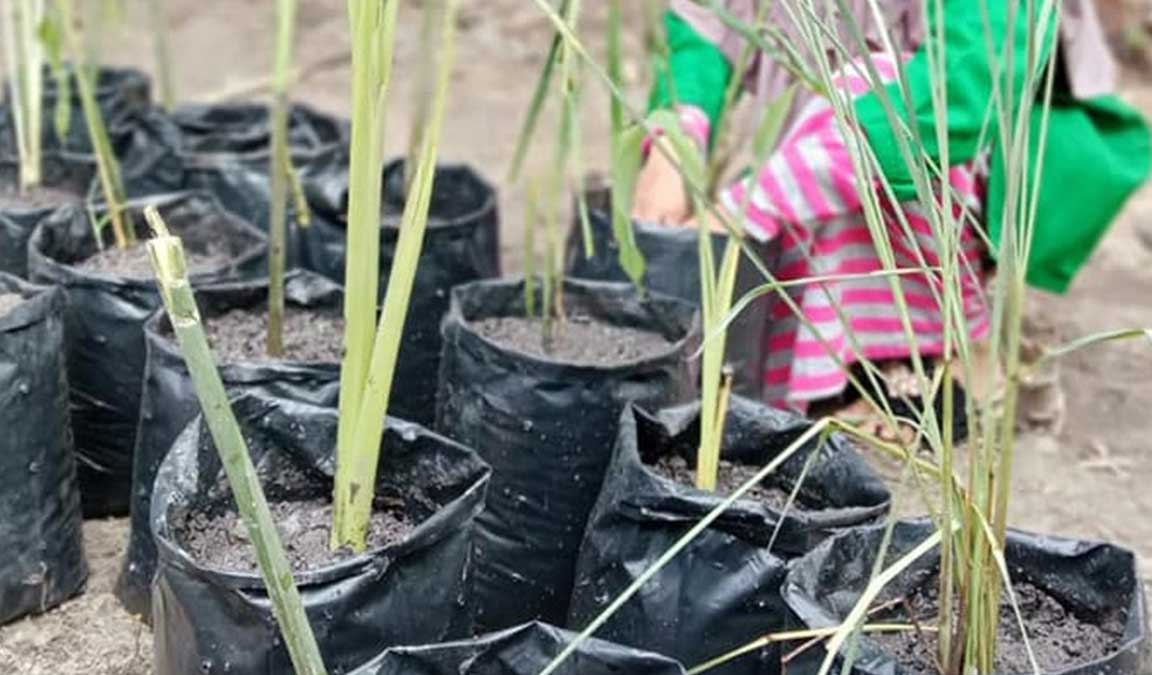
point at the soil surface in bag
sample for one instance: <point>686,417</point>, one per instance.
<point>104,327</point>
<point>1082,603</point>
<point>412,591</point>
<point>310,335</point>
<point>578,339</point>
<point>461,244</point>
<point>234,314</point>
<point>722,591</point>
<point>1056,636</point>
<point>673,268</point>
<point>41,548</point>
<point>136,263</point>
<point>547,426</point>
<point>523,650</point>
<point>220,541</point>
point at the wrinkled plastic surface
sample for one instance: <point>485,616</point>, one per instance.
<point>168,402</point>
<point>673,268</point>
<point>134,129</point>
<point>523,650</point>
<point>1095,581</point>
<point>41,548</point>
<point>461,244</point>
<point>722,591</point>
<point>104,327</point>
<point>226,149</point>
<point>547,428</point>
<point>16,225</point>
<point>414,592</point>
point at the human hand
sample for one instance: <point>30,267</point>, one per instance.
<point>660,194</point>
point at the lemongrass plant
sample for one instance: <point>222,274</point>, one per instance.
<point>279,168</point>
<point>158,18</point>
<point>20,22</point>
<point>370,361</point>
<point>62,23</point>
<point>972,513</point>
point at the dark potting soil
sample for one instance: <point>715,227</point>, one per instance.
<point>309,336</point>
<point>135,263</point>
<point>1059,639</point>
<point>8,302</point>
<point>729,479</point>
<point>579,339</point>
<point>33,198</point>
<point>220,540</point>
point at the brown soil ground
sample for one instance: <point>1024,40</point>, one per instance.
<point>1090,480</point>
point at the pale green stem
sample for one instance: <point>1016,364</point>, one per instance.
<point>279,161</point>
<point>167,255</point>
<point>359,466</point>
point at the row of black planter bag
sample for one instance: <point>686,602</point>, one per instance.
<point>564,501</point>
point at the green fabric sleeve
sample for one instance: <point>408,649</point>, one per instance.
<point>969,87</point>
<point>696,72</point>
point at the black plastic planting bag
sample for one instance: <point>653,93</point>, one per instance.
<point>141,137</point>
<point>461,244</point>
<point>723,590</point>
<point>168,402</point>
<point>414,592</point>
<point>226,149</point>
<point>104,328</point>
<point>523,650</point>
<point>673,268</point>
<point>1094,581</point>
<point>16,226</point>
<point>547,428</point>
<point>41,548</point>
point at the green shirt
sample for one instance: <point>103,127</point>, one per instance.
<point>1098,150</point>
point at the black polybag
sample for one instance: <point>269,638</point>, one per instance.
<point>523,650</point>
<point>41,547</point>
<point>168,402</point>
<point>226,149</point>
<point>1095,581</point>
<point>547,428</point>
<point>722,591</point>
<point>673,268</point>
<point>415,592</point>
<point>140,136</point>
<point>104,326</point>
<point>16,226</point>
<point>461,244</point>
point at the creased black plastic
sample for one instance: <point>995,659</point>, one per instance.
<point>547,428</point>
<point>226,148</point>
<point>1095,581</point>
<point>723,590</point>
<point>523,650</point>
<point>673,264</point>
<point>168,402</point>
<point>16,225</point>
<point>414,592</point>
<point>123,95</point>
<point>461,244</point>
<point>41,548</point>
<point>104,327</point>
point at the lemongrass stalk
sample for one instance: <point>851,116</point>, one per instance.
<point>279,162</point>
<point>25,59</point>
<point>108,168</point>
<point>421,92</point>
<point>373,28</point>
<point>539,98</point>
<point>168,261</point>
<point>817,433</point>
<point>357,468</point>
<point>158,16</point>
<point>530,221</point>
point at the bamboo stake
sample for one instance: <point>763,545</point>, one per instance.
<point>167,255</point>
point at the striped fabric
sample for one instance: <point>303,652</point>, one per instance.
<point>807,196</point>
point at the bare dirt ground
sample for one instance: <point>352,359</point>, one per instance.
<point>1090,481</point>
